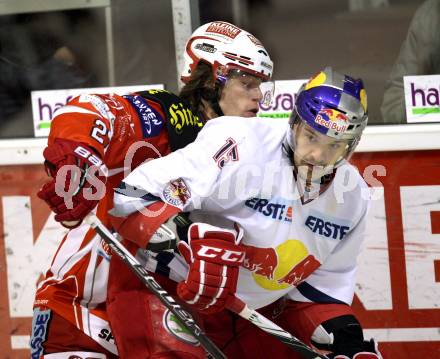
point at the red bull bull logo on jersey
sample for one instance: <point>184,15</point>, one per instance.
<point>279,268</point>
<point>332,119</point>
<point>261,261</point>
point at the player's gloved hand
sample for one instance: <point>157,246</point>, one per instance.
<point>75,189</point>
<point>214,257</point>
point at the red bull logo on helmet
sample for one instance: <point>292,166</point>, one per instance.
<point>332,119</point>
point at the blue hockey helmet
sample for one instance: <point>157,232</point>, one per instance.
<point>333,104</point>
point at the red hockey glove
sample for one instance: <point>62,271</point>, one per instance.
<point>78,181</point>
<point>214,257</point>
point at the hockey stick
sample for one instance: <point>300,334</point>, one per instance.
<point>271,328</point>
<point>184,316</point>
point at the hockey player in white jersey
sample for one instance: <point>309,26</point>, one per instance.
<point>284,230</point>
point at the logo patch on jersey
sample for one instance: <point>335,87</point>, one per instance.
<point>273,209</point>
<point>279,268</point>
<point>331,228</point>
<point>151,120</point>
<point>40,323</point>
<point>181,117</point>
<point>175,328</point>
<point>177,193</point>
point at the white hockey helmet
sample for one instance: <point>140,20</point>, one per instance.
<point>225,46</point>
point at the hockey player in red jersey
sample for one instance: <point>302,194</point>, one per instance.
<point>270,225</point>
<point>95,140</point>
<point>226,71</point>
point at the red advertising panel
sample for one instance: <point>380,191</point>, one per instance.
<point>409,324</point>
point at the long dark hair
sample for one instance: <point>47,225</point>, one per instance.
<point>201,85</point>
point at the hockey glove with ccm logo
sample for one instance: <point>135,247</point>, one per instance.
<point>214,257</point>
<point>78,181</point>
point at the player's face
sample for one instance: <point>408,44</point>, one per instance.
<point>316,154</point>
<point>241,95</point>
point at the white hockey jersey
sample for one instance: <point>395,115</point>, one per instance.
<point>237,171</point>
